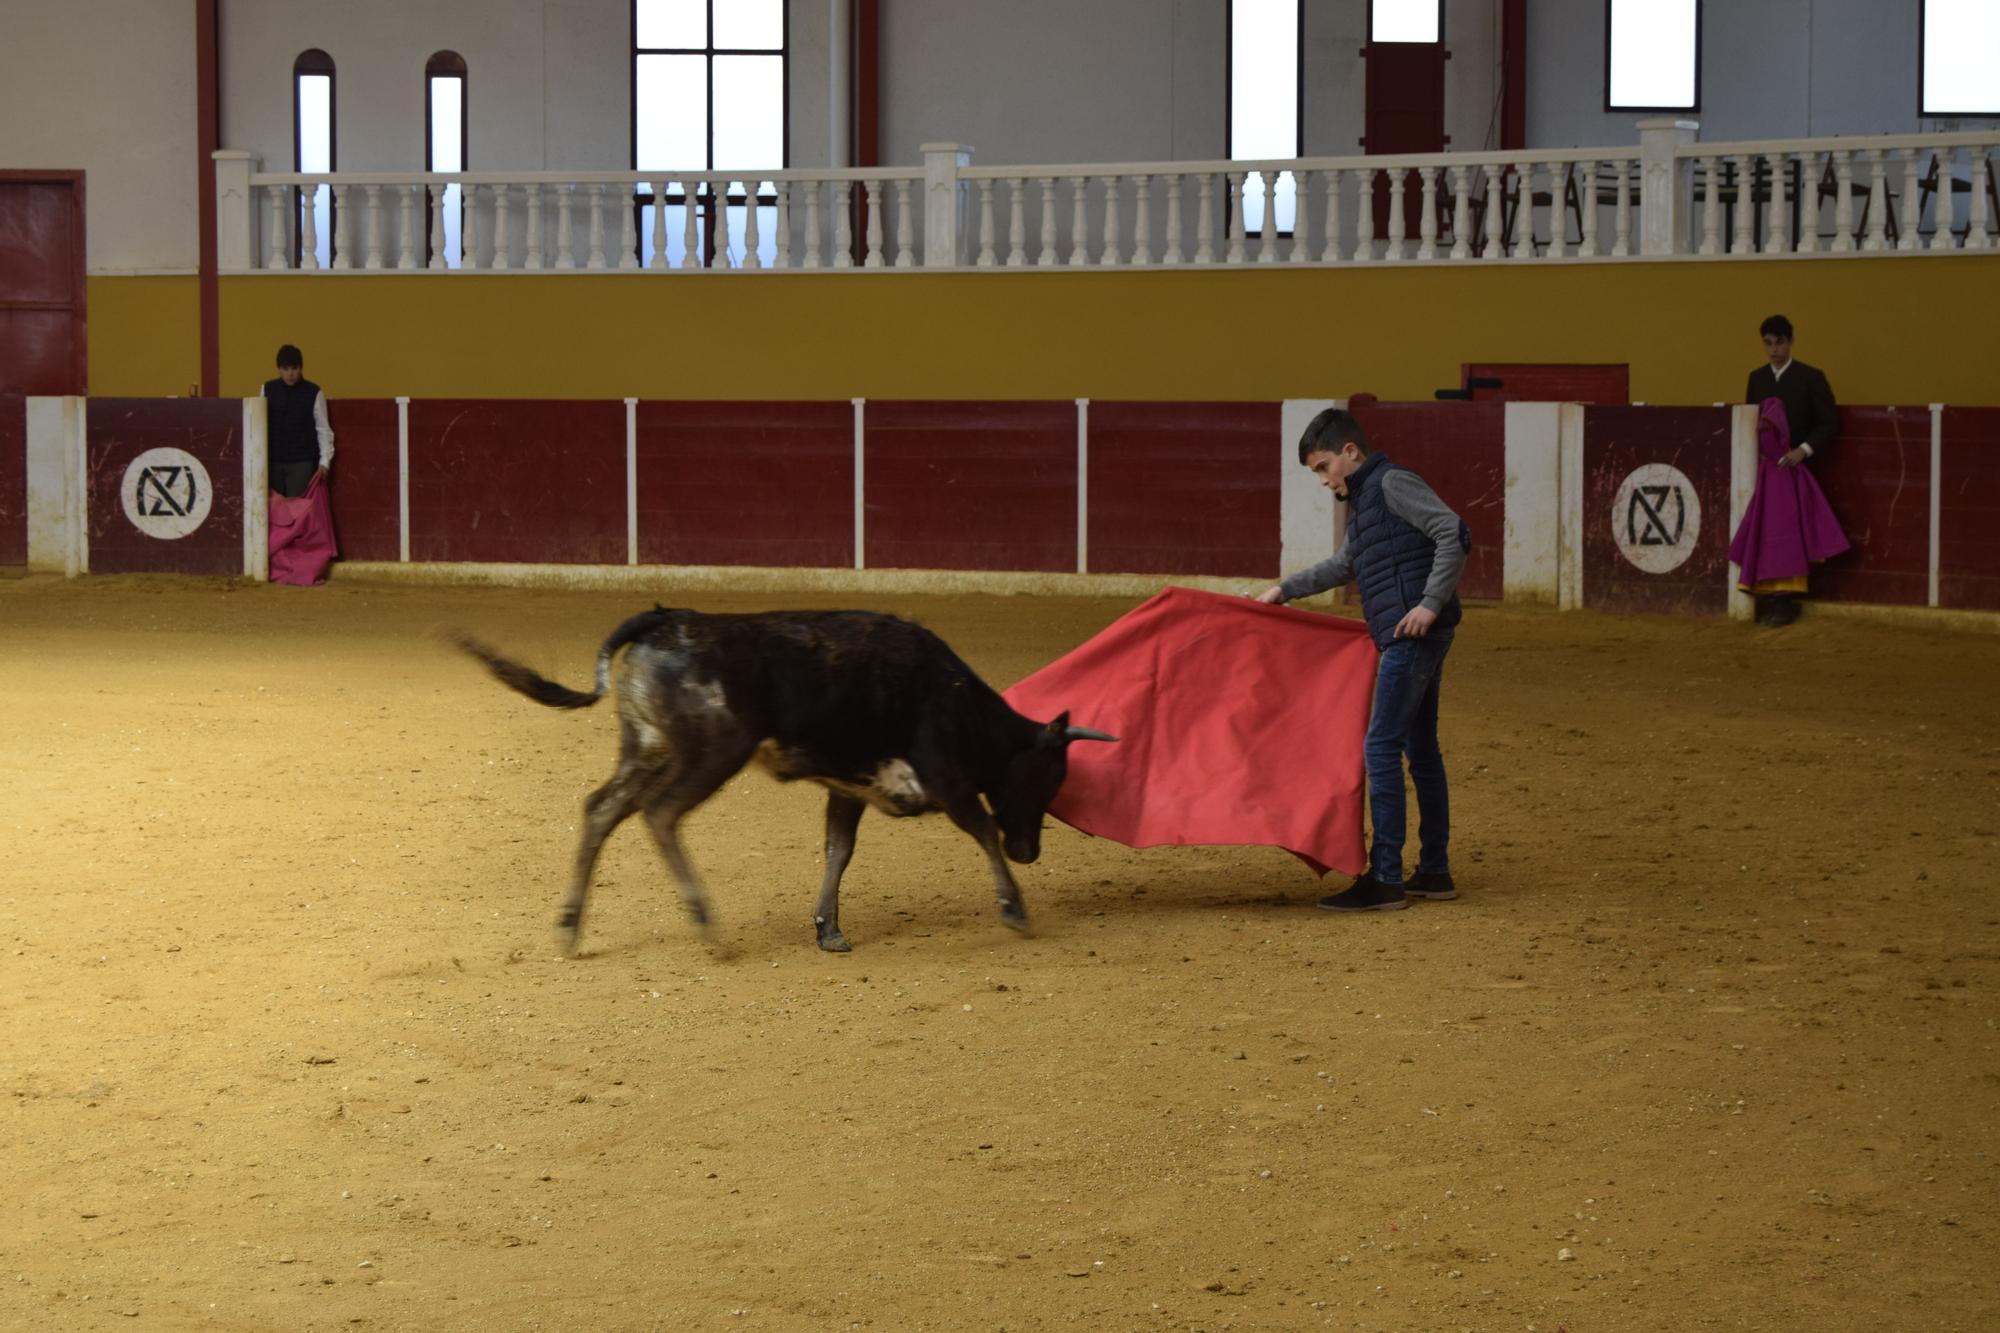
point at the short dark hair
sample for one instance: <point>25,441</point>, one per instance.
<point>1327,432</point>
<point>289,355</point>
<point>1777,326</point>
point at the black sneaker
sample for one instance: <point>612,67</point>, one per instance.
<point>1367,894</point>
<point>1434,888</point>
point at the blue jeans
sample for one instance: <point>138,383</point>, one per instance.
<point>1405,722</point>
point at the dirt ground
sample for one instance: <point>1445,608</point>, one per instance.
<point>1708,1041</point>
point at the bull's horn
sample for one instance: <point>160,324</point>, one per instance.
<point>1087,734</point>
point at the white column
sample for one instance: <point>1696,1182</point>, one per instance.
<point>1330,242</point>
<point>1621,243</point>
<point>1083,485</point>
<point>906,243</point>
<point>55,471</point>
<point>1305,508</point>
<point>1237,250</point>
<point>1398,227</point>
<point>944,205</point>
<point>659,259</point>
<point>1109,254</point>
<point>1975,218</point>
<point>843,228</point>
<point>1777,231</point>
<point>1945,220</point>
<point>1744,242</point>
<point>812,236</point>
<point>1079,224</point>
<point>719,194</point>
<point>1937,482</point>
<point>343,225</point>
<point>534,259</point>
<point>1843,204</point>
<point>1017,230</point>
<point>628,229</point>
<point>276,253</point>
<point>752,242</point>
<point>256,490</point>
<point>986,255</point>
<point>309,229</point>
<point>631,481</point>
<point>1045,255</point>
<point>403,478</point>
<point>593,257</point>
<point>860,483</point>
<point>1524,212</point>
<point>565,239</point>
<point>1808,202</point>
<point>783,223</point>
<point>373,194</point>
<point>1427,221</point>
<point>1267,244</point>
<point>1878,202</point>
<point>1913,202</point>
<point>1496,211</point>
<point>1584,180</point>
<point>873,257</point>
<point>1531,558</point>
<point>1364,218</point>
<point>1663,187</point>
<point>406,258</point>
<point>1142,220</point>
<point>235,210</point>
<point>468,235</point>
<point>1204,225</point>
<point>1742,483</point>
<point>1301,217</point>
<point>1461,213</point>
<point>1173,253</point>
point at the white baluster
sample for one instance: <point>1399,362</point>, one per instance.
<point>1621,241</point>
<point>725,242</point>
<point>1112,242</point>
<point>1711,206</point>
<point>1913,203</point>
<point>752,241</point>
<point>276,253</point>
<point>843,224</point>
<point>1745,239</point>
<point>1204,226</point>
<point>1301,219</point>
<point>341,225</point>
<point>1142,220</point>
<point>1427,221</point>
<point>1461,213</point>
<point>1975,218</point>
<point>1878,201</point>
<point>1524,212</point>
<point>1045,257</point>
<point>1079,228</point>
<point>565,237</point>
<point>813,239</point>
<point>1238,248</point>
<point>309,229</point>
<point>1398,225</point>
<point>1560,176</point>
<point>1843,201</point>
<point>1267,243</point>
<point>659,259</point>
<point>406,257</point>
<point>1496,191</point>
<point>1585,181</point>
<point>468,243</point>
<point>1808,202</point>
<point>502,242</point>
<point>628,229</point>
<point>1947,212</point>
<point>782,220</point>
<point>437,259</point>
<point>1173,253</point>
<point>1330,251</point>
<point>690,224</point>
<point>594,255</point>
<point>1776,237</point>
<point>906,246</point>
<point>873,259</point>
<point>373,194</point>
<point>534,259</point>
<point>986,259</point>
<point>1364,220</point>
<point>1017,231</point>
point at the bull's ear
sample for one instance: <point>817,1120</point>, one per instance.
<point>1056,732</point>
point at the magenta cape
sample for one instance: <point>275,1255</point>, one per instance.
<point>1789,526</point>
<point>1238,723</point>
<point>302,543</point>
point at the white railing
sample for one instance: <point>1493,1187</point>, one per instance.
<point>1668,196</point>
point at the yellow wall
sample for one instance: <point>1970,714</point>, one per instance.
<point>1886,329</point>
<point>144,336</point>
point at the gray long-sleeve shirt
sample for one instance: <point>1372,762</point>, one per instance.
<point>1411,499</point>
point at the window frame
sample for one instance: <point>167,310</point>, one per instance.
<point>300,69</point>
<point>705,201</point>
<point>1693,108</point>
<point>448,64</point>
<point>1369,38</point>
<point>1923,113</point>
<point>1229,106</point>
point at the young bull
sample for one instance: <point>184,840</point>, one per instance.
<point>876,710</point>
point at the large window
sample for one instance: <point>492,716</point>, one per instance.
<point>1406,20</point>
<point>1265,116</point>
<point>1652,55</point>
<point>313,150</point>
<point>709,94</point>
<point>1959,58</point>
<point>444,141</point>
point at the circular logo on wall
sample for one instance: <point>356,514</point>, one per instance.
<point>166,493</point>
<point>1656,517</point>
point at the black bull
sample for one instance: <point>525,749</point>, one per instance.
<point>877,710</point>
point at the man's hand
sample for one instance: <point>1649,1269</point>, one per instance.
<point>1416,624</point>
<point>319,473</point>
<point>1793,457</point>
<point>1272,596</point>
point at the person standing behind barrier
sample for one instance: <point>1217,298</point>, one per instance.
<point>1815,424</point>
<point>301,441</point>
<point>1406,549</point>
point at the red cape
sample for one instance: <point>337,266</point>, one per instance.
<point>1238,723</point>
<point>302,543</point>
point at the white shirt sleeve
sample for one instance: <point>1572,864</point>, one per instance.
<point>325,430</point>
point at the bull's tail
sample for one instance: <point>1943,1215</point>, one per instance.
<point>545,691</point>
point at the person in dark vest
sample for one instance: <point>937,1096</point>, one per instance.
<point>301,441</point>
<point>1815,424</point>
<point>1406,550</point>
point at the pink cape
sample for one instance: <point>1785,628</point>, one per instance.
<point>1789,526</point>
<point>302,542</point>
<point>1238,723</point>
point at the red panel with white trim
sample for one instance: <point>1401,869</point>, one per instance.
<point>1878,479</point>
<point>165,480</point>
<point>1656,483</point>
<point>743,483</point>
<point>1184,488</point>
<point>971,485</point>
<point>536,481</point>
<point>1969,509</point>
<point>364,490</point>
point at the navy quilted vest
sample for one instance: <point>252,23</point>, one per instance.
<point>1392,559</point>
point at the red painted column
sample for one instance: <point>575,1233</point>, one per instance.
<point>208,97</point>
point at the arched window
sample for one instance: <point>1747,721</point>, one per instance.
<point>313,149</point>
<point>444,139</point>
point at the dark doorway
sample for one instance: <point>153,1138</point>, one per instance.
<point>42,349</point>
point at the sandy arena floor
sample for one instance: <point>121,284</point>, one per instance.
<point>1708,1042</point>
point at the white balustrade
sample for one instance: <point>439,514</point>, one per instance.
<point>1396,221</point>
<point>906,246</point>
<point>406,258</point>
<point>468,240</point>
<point>1524,210</point>
<point>1172,254</point>
<point>1267,243</point>
<point>986,258</point>
<point>1330,252</point>
<point>1017,231</point>
<point>503,241</point>
<point>1204,234</point>
<point>1427,220</point>
<point>1584,182</point>
<point>782,242</point>
<point>1301,216</point>
<point>843,225</point>
<point>1110,257</point>
<point>1045,255</point>
<point>1079,231</point>
<point>534,238</point>
<point>1364,218</point>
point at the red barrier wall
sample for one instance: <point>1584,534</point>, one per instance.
<point>722,483</point>
<point>1550,382</point>
<point>957,485</point>
<point>13,479</point>
<point>534,480</point>
<point>1693,516</point>
<point>364,492</point>
<point>1969,509</point>
<point>1184,488</point>
<point>1878,481</point>
<point>1461,450</point>
<point>117,431</point>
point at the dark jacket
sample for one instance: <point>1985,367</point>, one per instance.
<point>1392,557</point>
<point>294,436</point>
<point>1808,400</point>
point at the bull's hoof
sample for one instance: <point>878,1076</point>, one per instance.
<point>569,931</point>
<point>1016,920</point>
<point>834,942</point>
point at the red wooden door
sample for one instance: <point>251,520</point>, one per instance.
<point>1404,114</point>
<point>41,282</point>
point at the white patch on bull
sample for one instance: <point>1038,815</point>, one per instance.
<point>894,789</point>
